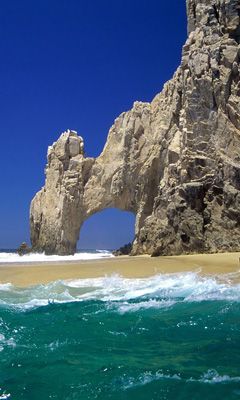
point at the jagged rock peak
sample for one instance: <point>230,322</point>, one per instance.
<point>174,162</point>
<point>68,145</point>
<point>222,15</point>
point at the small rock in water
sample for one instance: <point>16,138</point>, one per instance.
<point>24,249</point>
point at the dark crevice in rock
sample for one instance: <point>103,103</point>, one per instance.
<point>216,12</point>
<point>185,238</point>
<point>236,33</point>
<point>194,11</point>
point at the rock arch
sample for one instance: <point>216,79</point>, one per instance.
<point>174,162</point>
<point>77,187</point>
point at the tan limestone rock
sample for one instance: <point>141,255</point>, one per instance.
<point>174,162</point>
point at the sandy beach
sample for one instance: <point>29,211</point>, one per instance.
<point>130,267</point>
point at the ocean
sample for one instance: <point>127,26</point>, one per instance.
<point>170,336</point>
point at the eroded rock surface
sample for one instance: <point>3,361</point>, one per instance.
<point>174,162</point>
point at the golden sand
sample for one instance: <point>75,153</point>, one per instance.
<point>129,267</point>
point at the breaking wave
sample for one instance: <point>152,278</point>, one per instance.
<point>13,257</point>
<point>126,295</point>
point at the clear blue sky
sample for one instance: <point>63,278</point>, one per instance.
<point>75,64</point>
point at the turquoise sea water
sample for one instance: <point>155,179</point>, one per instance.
<point>173,336</point>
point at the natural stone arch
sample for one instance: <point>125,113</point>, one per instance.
<point>174,161</point>
<point>77,187</point>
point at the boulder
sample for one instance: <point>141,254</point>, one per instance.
<point>124,250</point>
<point>23,249</point>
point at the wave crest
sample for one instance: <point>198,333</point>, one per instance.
<point>128,295</point>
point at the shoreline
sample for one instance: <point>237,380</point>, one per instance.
<point>34,273</point>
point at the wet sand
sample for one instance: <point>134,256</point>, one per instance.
<point>130,267</point>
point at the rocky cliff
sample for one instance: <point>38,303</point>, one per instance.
<point>174,162</point>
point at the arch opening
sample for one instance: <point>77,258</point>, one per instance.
<point>108,229</point>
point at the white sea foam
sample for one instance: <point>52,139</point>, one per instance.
<point>146,378</point>
<point>10,342</point>
<point>189,286</point>
<point>6,287</point>
<point>213,377</point>
<point>5,396</point>
<point>125,307</point>
<point>210,377</point>
<point>41,257</point>
<point>122,294</point>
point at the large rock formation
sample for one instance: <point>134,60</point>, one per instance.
<point>174,162</point>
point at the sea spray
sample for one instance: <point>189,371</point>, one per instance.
<point>162,290</point>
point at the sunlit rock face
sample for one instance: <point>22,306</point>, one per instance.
<point>174,162</point>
